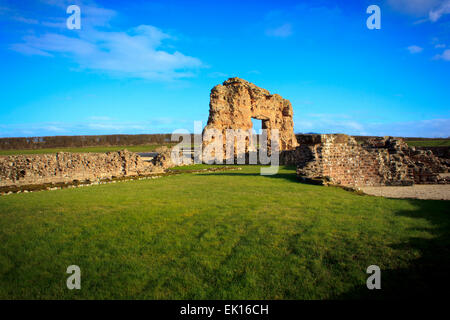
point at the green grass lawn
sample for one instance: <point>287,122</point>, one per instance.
<point>145,148</point>
<point>429,143</point>
<point>220,235</point>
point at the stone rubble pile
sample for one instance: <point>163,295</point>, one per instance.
<point>339,159</point>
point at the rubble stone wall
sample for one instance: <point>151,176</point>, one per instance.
<point>234,103</point>
<point>66,167</point>
<point>339,159</point>
<point>441,152</point>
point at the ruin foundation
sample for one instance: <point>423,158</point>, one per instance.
<point>337,159</point>
<point>65,167</point>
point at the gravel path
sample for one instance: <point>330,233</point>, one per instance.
<point>429,191</point>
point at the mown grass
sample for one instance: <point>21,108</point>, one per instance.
<point>429,143</point>
<point>220,235</point>
<point>100,149</point>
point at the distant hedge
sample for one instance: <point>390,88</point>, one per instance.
<point>363,138</point>
<point>109,140</point>
<point>83,141</point>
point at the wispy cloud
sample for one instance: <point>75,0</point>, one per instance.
<point>93,125</point>
<point>25,20</point>
<point>342,124</point>
<point>431,10</point>
<point>414,7</point>
<point>139,52</point>
<point>444,56</point>
<point>324,124</point>
<point>282,31</point>
<point>434,128</point>
<point>414,49</point>
<point>277,24</point>
<point>436,13</point>
<point>60,3</point>
<point>317,123</point>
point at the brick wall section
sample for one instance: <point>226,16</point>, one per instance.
<point>347,164</point>
<point>65,167</point>
<point>339,159</point>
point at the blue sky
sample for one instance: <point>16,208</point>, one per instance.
<point>148,66</point>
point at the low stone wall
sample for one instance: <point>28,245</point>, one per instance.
<point>340,159</point>
<point>404,162</point>
<point>66,167</point>
<point>440,151</point>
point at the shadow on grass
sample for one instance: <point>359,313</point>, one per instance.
<point>426,277</point>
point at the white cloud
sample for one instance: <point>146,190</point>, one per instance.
<point>330,126</point>
<point>444,56</point>
<point>414,49</point>
<point>317,123</point>
<point>27,50</point>
<point>54,129</point>
<point>57,23</point>
<point>58,3</point>
<point>52,43</point>
<point>25,20</point>
<point>436,13</point>
<point>413,7</point>
<point>433,10</point>
<point>94,16</point>
<point>282,31</point>
<point>329,123</point>
<point>92,126</point>
<point>139,52</point>
<point>439,46</point>
<point>419,128</point>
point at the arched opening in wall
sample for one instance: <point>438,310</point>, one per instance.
<point>256,130</point>
<point>256,125</point>
<point>259,124</point>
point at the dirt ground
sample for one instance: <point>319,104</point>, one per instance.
<point>432,191</point>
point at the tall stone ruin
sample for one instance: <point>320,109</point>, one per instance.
<point>234,103</point>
